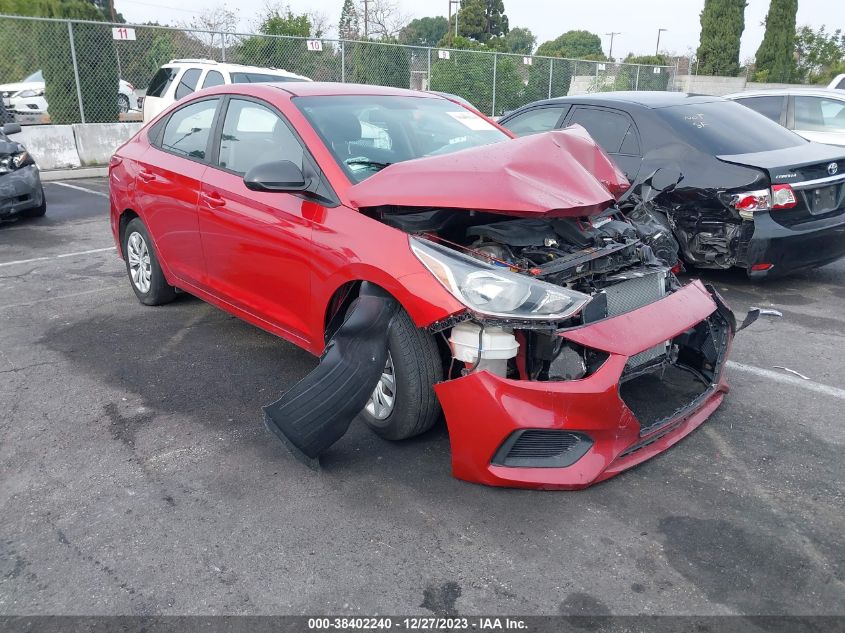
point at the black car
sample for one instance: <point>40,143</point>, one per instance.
<point>750,193</point>
<point>21,193</point>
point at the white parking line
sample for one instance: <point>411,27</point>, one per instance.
<point>788,380</point>
<point>57,297</point>
<point>78,188</point>
<point>44,259</point>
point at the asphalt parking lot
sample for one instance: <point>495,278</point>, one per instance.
<point>138,478</point>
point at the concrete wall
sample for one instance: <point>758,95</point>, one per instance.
<point>74,146</point>
<point>709,85</point>
<point>52,146</point>
<point>96,142</point>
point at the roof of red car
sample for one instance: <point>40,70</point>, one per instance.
<point>315,88</point>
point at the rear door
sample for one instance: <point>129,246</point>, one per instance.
<point>615,132</point>
<point>258,244</point>
<point>819,119</point>
<point>168,186</point>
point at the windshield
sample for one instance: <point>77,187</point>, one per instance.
<point>257,78</point>
<point>36,76</point>
<point>726,127</point>
<point>367,133</point>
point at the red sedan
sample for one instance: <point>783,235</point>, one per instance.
<point>546,326</point>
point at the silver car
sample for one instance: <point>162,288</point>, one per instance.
<point>816,114</point>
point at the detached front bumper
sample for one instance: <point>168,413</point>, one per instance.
<point>20,190</point>
<point>791,249</point>
<point>485,412</point>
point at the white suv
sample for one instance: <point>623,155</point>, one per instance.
<point>180,77</point>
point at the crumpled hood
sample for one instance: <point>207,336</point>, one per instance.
<point>554,174</point>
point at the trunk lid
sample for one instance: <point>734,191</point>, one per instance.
<point>554,174</point>
<point>815,171</point>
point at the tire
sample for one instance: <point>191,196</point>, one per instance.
<point>123,103</point>
<point>416,367</point>
<point>142,267</point>
<point>40,210</point>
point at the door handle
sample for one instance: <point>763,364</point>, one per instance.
<point>146,176</point>
<point>212,199</point>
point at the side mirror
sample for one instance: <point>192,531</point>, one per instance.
<point>279,175</point>
<point>11,128</point>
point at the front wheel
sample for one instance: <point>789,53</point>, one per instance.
<point>145,274</point>
<point>123,103</point>
<point>404,404</point>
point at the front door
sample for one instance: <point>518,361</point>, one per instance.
<point>257,244</point>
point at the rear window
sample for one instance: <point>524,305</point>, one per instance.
<point>257,78</point>
<point>161,81</point>
<point>725,127</point>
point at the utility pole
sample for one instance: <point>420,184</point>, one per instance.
<point>612,35</point>
<point>457,4</point>
<point>111,10</point>
<point>366,19</point>
<point>657,48</point>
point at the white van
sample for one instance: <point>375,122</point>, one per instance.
<point>180,77</point>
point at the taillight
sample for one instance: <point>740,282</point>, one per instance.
<point>783,197</point>
<point>747,202</point>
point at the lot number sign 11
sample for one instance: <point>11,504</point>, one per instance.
<point>123,33</point>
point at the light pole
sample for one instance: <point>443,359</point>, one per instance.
<point>657,48</point>
<point>457,4</point>
<point>612,35</point>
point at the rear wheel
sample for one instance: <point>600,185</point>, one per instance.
<point>123,103</point>
<point>404,404</point>
<point>145,274</point>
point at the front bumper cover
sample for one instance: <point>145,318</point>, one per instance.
<point>483,410</point>
<point>20,190</point>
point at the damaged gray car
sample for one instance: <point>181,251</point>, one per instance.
<point>21,193</point>
<point>754,195</point>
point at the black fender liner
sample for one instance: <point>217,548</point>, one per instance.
<point>317,411</point>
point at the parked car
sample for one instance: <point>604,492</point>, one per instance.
<point>560,348</point>
<point>753,195</point>
<point>21,193</point>
<point>838,83</point>
<point>181,77</point>
<point>27,96</point>
<point>817,115</point>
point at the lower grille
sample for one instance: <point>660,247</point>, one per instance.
<point>657,397</point>
<point>636,292</point>
<point>542,448</point>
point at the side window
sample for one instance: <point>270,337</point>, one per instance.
<point>161,81</point>
<point>187,130</point>
<point>841,85</point>
<point>817,113</point>
<point>188,82</point>
<point>767,106</point>
<point>254,134</point>
<point>535,121</point>
<point>212,78</point>
<point>630,144</point>
<point>608,129</point>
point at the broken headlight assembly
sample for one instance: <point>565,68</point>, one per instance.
<point>11,162</point>
<point>494,290</point>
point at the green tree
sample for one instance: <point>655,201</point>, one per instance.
<point>348,27</point>
<point>469,74</point>
<point>519,40</point>
<point>424,31</point>
<point>281,45</point>
<point>573,45</point>
<point>49,49</point>
<point>481,19</point>
<point>818,53</point>
<point>776,55</point>
<point>380,64</point>
<point>722,24</point>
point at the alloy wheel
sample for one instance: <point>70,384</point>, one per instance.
<point>380,405</point>
<point>140,267</point>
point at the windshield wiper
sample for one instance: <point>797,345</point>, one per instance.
<point>368,163</point>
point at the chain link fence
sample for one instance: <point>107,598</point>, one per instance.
<point>85,72</point>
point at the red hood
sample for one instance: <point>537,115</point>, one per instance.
<point>554,174</point>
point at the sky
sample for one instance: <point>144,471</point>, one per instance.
<point>637,20</point>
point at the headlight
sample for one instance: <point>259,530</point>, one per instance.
<point>495,291</point>
<point>24,94</point>
<point>11,162</point>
